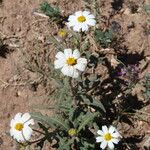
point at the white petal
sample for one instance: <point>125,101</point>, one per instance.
<point>71,17</point>
<point>31,121</point>
<point>11,131</point>
<point>110,145</point>
<point>75,73</point>
<point>60,55</point>
<point>71,71</point>
<point>12,123</point>
<point>68,52</point>
<point>103,145</point>
<point>80,66</point>
<point>84,27</point>
<point>105,129</point>
<point>91,16</point>
<point>26,117</point>
<point>77,27</point>
<point>59,63</point>
<point>116,141</point>
<point>65,70</point>
<point>27,132</point>
<point>82,60</point>
<point>71,23</point>
<point>111,129</point>
<point>115,135</point>
<point>78,13</point>
<point>99,139</point>
<point>100,132</point>
<point>68,70</point>
<point>18,116</point>
<point>91,22</point>
<point>17,135</point>
<point>76,54</point>
<point>86,13</point>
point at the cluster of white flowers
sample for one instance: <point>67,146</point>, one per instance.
<point>70,62</point>
<point>21,131</point>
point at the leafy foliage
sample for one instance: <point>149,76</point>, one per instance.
<point>104,38</point>
<point>147,8</point>
<point>50,11</point>
<point>81,122</point>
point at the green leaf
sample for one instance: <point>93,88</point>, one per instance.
<point>94,102</point>
<point>87,119</point>
<point>49,11</point>
<point>52,122</point>
<point>97,103</point>
<point>147,8</point>
<point>66,145</point>
<point>104,37</point>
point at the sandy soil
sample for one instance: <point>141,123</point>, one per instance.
<point>21,30</point>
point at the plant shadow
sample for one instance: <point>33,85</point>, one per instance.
<point>132,141</point>
<point>117,4</point>
<point>131,58</point>
<point>4,50</point>
<point>109,90</point>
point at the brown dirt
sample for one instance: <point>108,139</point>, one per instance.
<point>22,30</point>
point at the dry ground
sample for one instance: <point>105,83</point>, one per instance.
<point>21,30</point>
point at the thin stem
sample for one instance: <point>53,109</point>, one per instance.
<point>38,131</point>
<point>32,142</point>
<point>73,91</point>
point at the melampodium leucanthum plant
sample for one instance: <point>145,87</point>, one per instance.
<point>74,128</point>
<point>75,122</point>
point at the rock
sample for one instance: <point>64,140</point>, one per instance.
<point>127,11</point>
<point>146,145</point>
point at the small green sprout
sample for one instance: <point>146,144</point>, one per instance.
<point>104,38</point>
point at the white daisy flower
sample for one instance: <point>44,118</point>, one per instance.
<point>81,20</point>
<point>20,129</point>
<point>70,63</point>
<point>108,137</point>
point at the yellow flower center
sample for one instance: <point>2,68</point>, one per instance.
<point>19,126</point>
<point>71,61</point>
<point>107,137</point>
<point>62,33</point>
<point>72,132</point>
<point>81,19</point>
